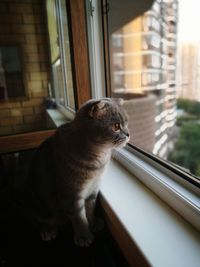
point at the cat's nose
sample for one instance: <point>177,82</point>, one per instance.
<point>127,134</point>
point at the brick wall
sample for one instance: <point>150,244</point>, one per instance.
<point>141,118</point>
<point>23,23</point>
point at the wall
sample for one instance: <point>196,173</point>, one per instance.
<point>188,76</point>
<point>141,113</point>
<point>23,23</point>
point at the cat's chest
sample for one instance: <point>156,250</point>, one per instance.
<point>90,187</point>
<point>92,184</point>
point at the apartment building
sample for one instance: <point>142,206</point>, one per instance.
<point>188,71</point>
<point>144,62</point>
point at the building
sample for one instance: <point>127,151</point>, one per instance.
<point>144,62</point>
<point>188,71</point>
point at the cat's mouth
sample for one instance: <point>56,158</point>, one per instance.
<point>122,142</point>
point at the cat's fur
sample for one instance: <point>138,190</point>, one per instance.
<point>65,174</point>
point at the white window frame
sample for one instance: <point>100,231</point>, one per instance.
<point>96,52</point>
<point>65,109</point>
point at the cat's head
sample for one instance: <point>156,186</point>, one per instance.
<point>106,120</point>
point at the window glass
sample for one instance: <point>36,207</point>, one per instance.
<point>24,68</point>
<point>53,30</point>
<point>154,66</point>
<point>11,74</point>
<point>60,52</point>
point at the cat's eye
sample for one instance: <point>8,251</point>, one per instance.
<point>116,127</point>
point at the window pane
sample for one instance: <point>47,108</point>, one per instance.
<point>53,31</point>
<point>59,81</point>
<point>24,68</point>
<point>60,53</point>
<point>11,73</point>
<point>64,37</point>
<point>143,56</point>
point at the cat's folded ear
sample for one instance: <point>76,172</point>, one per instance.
<point>119,101</point>
<point>98,109</point>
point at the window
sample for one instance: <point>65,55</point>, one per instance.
<point>150,23</point>
<point>60,53</point>
<point>148,83</point>
<point>117,40</point>
<point>11,75</point>
<point>118,61</point>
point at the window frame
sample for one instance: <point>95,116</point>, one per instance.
<point>63,59</point>
<point>59,59</point>
<point>78,53</point>
<point>96,51</point>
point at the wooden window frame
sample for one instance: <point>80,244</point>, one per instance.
<point>79,51</point>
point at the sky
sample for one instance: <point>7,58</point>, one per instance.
<point>189,21</point>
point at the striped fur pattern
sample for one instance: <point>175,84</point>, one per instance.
<point>66,171</point>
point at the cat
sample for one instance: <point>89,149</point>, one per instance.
<point>66,171</point>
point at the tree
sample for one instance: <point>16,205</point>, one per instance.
<point>186,152</point>
<point>190,106</point>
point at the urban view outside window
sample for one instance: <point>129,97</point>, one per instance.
<point>155,67</point>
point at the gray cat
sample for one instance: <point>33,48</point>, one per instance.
<point>66,171</point>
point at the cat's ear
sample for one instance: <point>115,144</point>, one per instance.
<point>119,101</point>
<point>98,109</point>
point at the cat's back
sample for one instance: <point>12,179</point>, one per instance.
<point>46,154</point>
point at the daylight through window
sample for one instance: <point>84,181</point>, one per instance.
<point>60,53</point>
<point>155,68</point>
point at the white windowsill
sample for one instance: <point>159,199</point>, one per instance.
<point>57,117</point>
<point>161,235</point>
<point>179,194</point>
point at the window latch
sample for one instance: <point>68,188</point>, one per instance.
<point>92,8</point>
<point>106,8</point>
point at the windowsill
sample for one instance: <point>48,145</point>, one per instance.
<point>145,225</point>
<point>57,117</point>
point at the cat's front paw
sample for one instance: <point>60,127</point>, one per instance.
<point>48,235</point>
<point>97,225</point>
<point>83,239</point>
